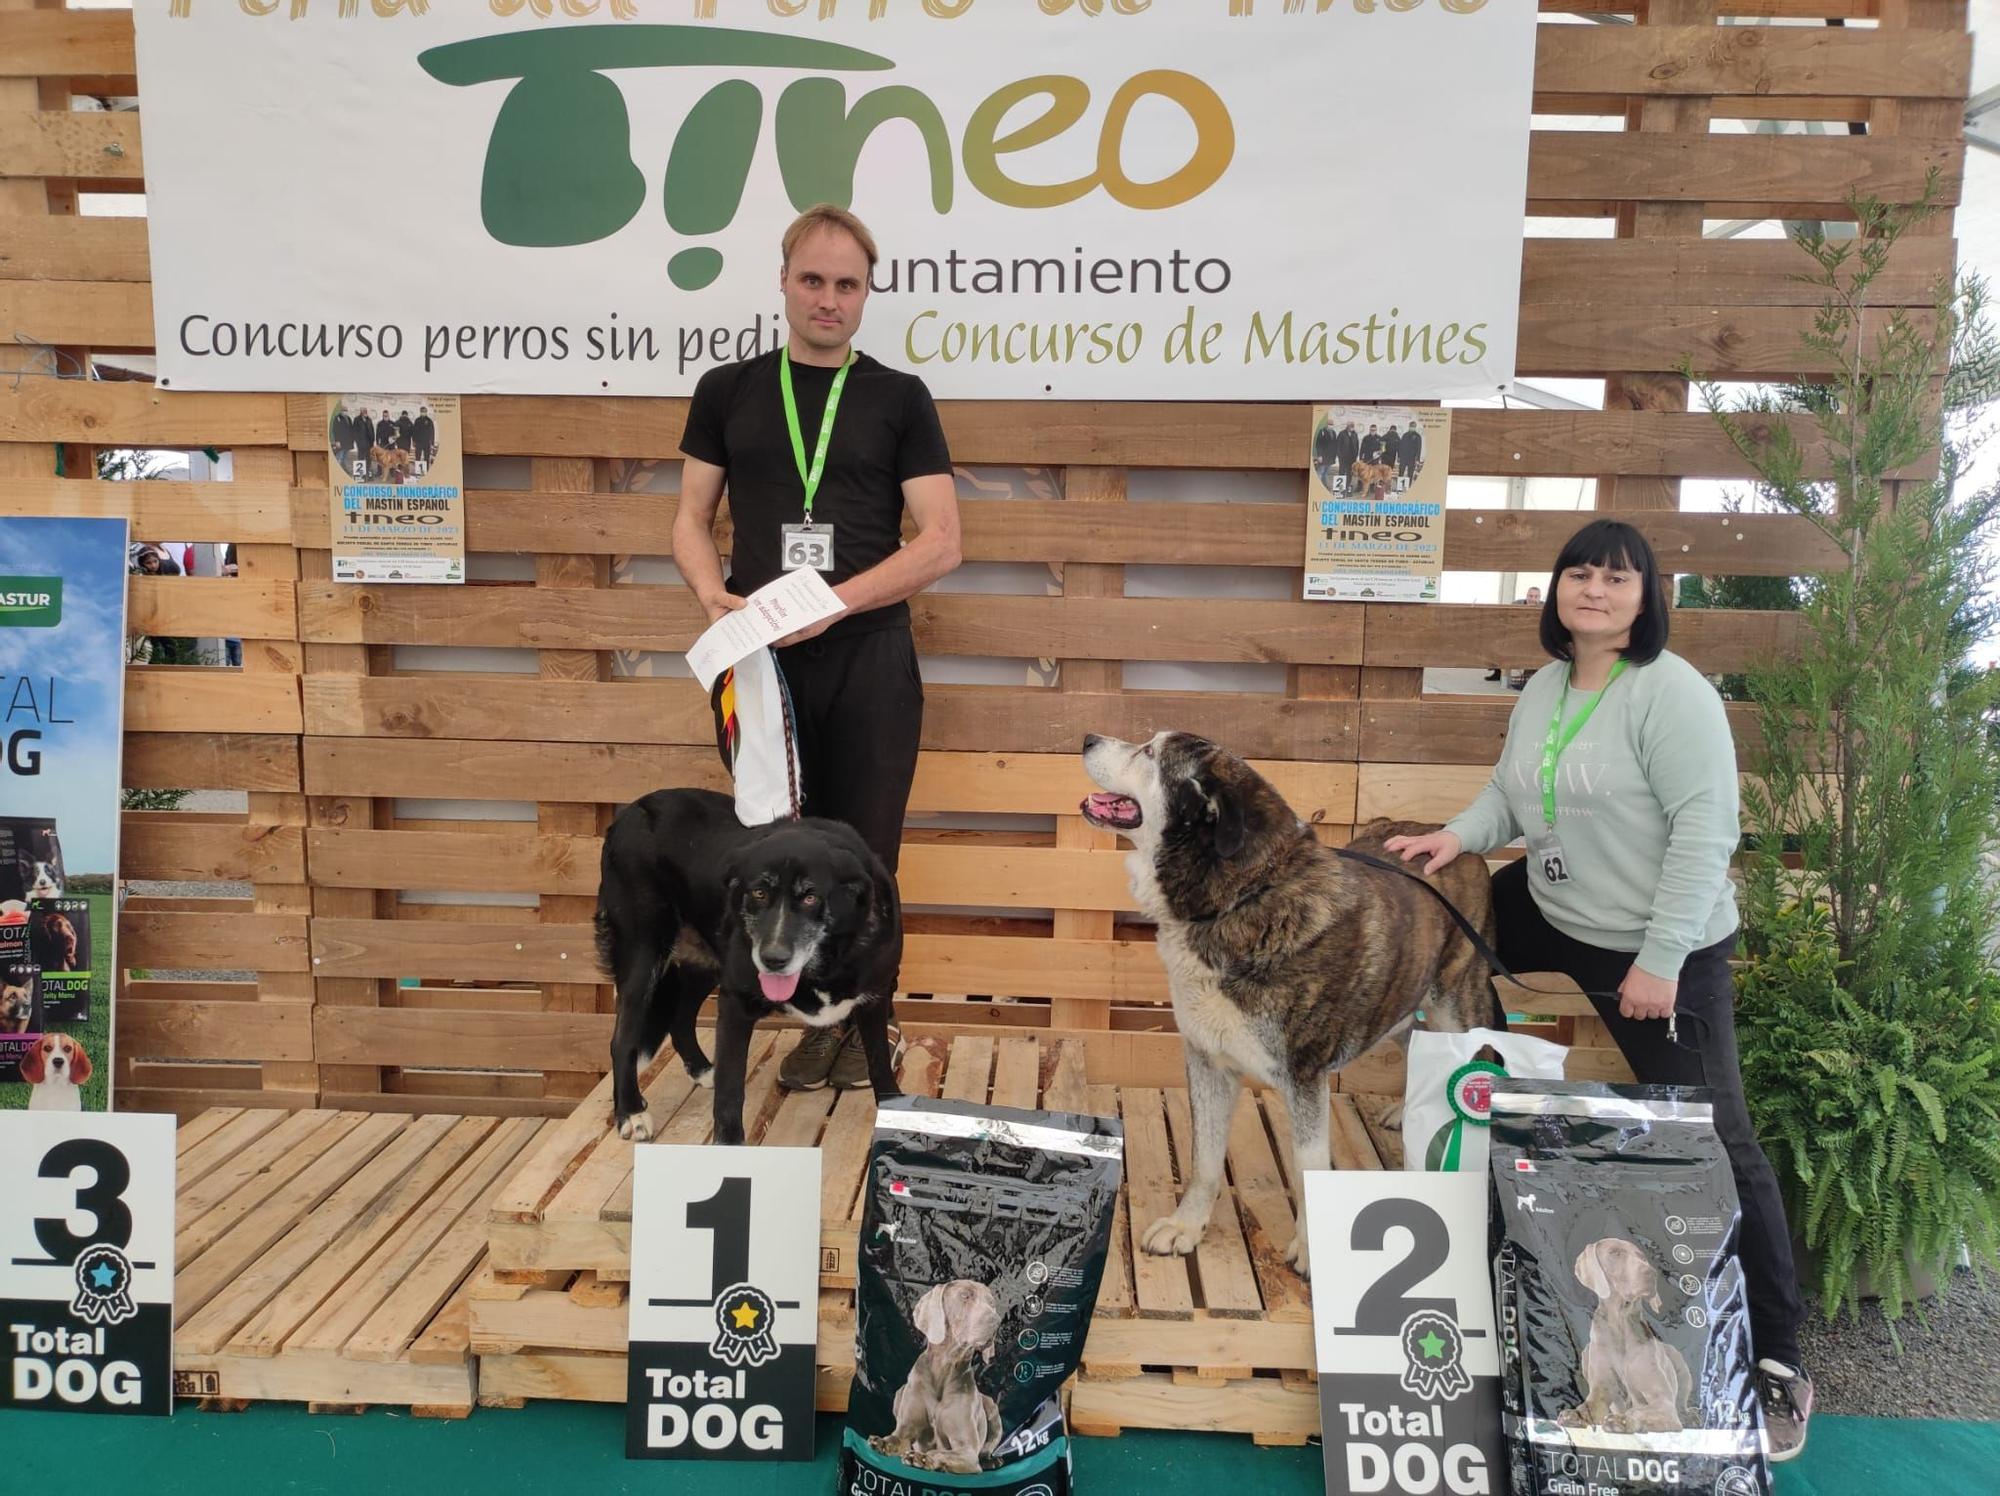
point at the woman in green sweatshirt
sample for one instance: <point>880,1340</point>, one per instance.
<point>1620,774</point>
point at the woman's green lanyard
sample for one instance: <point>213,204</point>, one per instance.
<point>810,477</point>
<point>1560,738</point>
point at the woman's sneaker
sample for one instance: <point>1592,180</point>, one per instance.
<point>1787,1395</point>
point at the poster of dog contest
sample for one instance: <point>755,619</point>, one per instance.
<point>587,199</point>
<point>724,1319</point>
<point>397,467</point>
<point>1375,510</point>
<point>62,652</point>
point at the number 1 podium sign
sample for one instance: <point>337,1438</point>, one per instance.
<point>724,1303</point>
<point>1409,1368</point>
<point>87,1262</point>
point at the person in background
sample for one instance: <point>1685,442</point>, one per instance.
<point>1519,678</point>
<point>232,649</point>
<point>1619,769</point>
<point>149,560</point>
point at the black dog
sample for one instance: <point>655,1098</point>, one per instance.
<point>796,916</point>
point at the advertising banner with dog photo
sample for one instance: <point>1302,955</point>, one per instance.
<point>587,199</point>
<point>1375,510</point>
<point>62,652</point>
<point>1403,1334</point>
<point>724,1321</point>
<point>86,1266</point>
<point>397,465</point>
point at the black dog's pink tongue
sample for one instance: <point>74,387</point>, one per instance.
<point>778,986</point>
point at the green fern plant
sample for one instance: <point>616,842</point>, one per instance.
<point>1869,1008</point>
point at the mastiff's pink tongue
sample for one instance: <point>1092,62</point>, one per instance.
<point>778,986</point>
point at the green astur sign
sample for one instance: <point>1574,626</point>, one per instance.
<point>30,602</point>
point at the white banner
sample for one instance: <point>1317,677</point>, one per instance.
<point>1073,200</point>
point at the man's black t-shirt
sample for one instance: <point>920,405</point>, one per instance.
<point>885,432</point>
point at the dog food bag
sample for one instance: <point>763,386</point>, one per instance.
<point>1624,1333</point>
<point>983,1237</point>
<point>1449,1089</point>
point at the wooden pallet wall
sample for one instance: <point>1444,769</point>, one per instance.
<point>328,734</point>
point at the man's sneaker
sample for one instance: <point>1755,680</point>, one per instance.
<point>1787,1395</point>
<point>809,1066</point>
<point>850,1066</point>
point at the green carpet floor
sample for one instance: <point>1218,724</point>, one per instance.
<point>553,1448</point>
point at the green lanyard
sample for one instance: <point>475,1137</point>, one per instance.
<point>811,478</point>
<point>1560,738</point>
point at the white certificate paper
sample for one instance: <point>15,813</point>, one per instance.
<point>796,600</point>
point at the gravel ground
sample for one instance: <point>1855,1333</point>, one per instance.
<point>1949,1368</point>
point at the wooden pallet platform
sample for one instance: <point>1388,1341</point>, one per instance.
<point>330,1257</point>
<point>1221,1339</point>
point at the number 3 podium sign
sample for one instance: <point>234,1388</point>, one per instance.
<point>1409,1369</point>
<point>724,1303</point>
<point>87,1262</point>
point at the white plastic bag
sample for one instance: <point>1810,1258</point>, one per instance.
<point>1448,1094</point>
<point>754,733</point>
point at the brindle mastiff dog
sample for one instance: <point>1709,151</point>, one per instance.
<point>1286,962</point>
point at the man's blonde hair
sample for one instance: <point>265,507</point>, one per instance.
<point>828,216</point>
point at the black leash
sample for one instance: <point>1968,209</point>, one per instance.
<point>1486,952</point>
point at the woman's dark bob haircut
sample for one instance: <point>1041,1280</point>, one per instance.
<point>1610,542</point>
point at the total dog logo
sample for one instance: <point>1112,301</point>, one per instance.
<point>86,1316</point>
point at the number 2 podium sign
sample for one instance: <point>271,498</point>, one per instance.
<point>724,1303</point>
<point>86,1262</point>
<point>1409,1368</point>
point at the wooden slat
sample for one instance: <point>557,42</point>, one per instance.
<point>74,410</point>
<point>667,618</point>
<point>182,1030</point>
<point>355,1239</point>
<point>215,760</point>
<point>1766,61</point>
<point>967,1072</point>
<point>188,698</point>
<point>48,143</point>
<point>408,1310</point>
<point>1536,443</point>
<point>1016,1073</point>
<point>205,1210</point>
<point>323,1243</point>
<point>1268,1221</point>
<point>1416,635</point>
<point>193,940</point>
<point>73,249</point>
<point>429,1036</point>
<point>1190,534</point>
<point>318,1172</point>
<point>956,718</point>
<point>1222,1259</point>
<point>61,42</point>
<point>1772,173</point>
<point>245,512</point>
<point>552,1156</point>
<point>222,1146</point>
<point>173,845</point>
<point>231,606</point>
<point>1161,1283</point>
<point>327,1330</point>
<point>1711,273</point>
<point>996,783</point>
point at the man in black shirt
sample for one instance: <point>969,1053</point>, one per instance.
<point>853,678</point>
